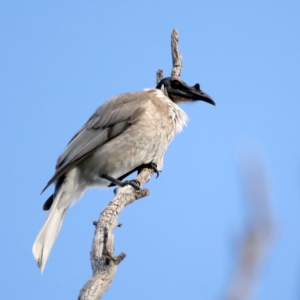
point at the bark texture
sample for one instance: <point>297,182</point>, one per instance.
<point>104,263</point>
<point>176,55</point>
<point>159,76</point>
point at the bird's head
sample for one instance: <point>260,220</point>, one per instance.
<point>178,91</point>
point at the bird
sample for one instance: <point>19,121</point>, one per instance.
<point>125,134</point>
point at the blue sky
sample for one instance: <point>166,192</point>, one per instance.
<point>59,60</point>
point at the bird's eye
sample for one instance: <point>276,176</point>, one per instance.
<point>175,84</point>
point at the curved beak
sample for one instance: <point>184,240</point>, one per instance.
<point>200,95</point>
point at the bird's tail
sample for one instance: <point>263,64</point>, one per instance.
<point>47,235</point>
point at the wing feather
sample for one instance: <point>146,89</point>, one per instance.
<point>110,119</point>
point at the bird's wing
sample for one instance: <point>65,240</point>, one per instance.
<point>109,120</point>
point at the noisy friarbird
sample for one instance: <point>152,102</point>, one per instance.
<point>124,134</point>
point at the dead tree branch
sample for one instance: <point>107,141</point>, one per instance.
<point>159,76</point>
<point>104,263</point>
<point>176,55</point>
<point>176,58</point>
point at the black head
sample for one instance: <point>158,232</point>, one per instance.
<point>178,91</point>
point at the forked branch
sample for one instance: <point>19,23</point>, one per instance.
<point>104,263</point>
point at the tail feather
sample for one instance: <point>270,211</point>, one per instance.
<point>47,235</point>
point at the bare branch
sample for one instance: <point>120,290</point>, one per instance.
<point>176,55</point>
<point>159,76</point>
<point>104,263</point>
<point>176,58</point>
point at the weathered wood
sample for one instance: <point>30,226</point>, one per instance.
<point>104,263</point>
<point>159,76</point>
<point>176,58</point>
<point>176,55</point>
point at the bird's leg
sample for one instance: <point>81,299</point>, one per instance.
<point>134,183</point>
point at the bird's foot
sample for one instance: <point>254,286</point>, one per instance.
<point>153,166</point>
<point>134,183</point>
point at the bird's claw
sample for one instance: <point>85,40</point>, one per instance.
<point>134,183</point>
<point>154,167</point>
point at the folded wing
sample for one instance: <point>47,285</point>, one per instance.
<point>110,120</point>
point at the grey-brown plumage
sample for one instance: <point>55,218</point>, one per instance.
<point>126,132</point>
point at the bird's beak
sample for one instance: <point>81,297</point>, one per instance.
<point>197,94</point>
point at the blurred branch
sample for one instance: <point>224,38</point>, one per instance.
<point>257,239</point>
